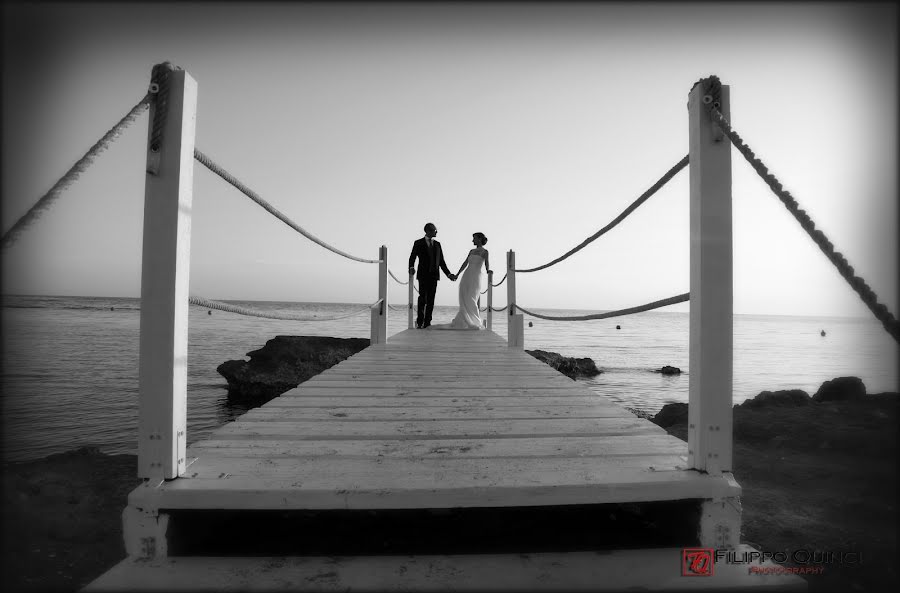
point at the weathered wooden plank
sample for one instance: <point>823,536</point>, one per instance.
<point>452,398</point>
<point>483,412</point>
<point>475,375</point>
<point>596,446</point>
<point>454,366</point>
<point>334,389</point>
<point>652,569</point>
<point>440,428</point>
<point>412,381</point>
<point>478,484</point>
<point>392,475</point>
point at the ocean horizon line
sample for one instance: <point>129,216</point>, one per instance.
<point>404,303</point>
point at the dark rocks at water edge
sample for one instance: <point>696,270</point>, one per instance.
<point>283,363</point>
<point>574,368</point>
<point>784,397</point>
<point>668,370</point>
<point>837,390</point>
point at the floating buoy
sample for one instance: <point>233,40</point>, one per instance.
<point>618,327</point>
<point>209,312</point>
<point>530,324</point>
<point>822,333</point>
<point>112,308</point>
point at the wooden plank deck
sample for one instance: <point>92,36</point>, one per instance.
<point>435,419</point>
<point>453,421</point>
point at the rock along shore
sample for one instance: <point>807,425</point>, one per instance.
<point>282,364</point>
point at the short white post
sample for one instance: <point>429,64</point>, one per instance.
<point>515,329</point>
<point>165,275</point>
<point>411,291</point>
<point>710,349</point>
<point>380,312</point>
<point>490,299</point>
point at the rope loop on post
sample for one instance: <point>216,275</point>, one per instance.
<point>634,205</point>
<point>212,166</point>
<point>44,203</point>
<point>837,259</point>
<point>649,306</point>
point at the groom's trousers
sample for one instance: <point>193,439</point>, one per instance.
<point>427,290</point>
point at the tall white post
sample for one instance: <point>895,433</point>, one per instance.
<point>515,329</point>
<point>380,314</point>
<point>710,377</point>
<point>165,274</point>
<point>490,299</point>
<point>412,279</point>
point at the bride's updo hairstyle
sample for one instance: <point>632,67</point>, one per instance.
<point>481,237</point>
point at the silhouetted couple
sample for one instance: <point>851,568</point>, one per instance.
<point>431,262</point>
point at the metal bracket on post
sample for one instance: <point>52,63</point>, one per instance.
<point>720,520</point>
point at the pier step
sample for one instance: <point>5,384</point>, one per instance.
<point>647,569</point>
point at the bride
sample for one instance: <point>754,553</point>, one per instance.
<point>469,316</point>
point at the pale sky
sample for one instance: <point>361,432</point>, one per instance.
<point>534,123</point>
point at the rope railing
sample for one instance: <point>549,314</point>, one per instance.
<point>202,302</point>
<point>840,262</point>
<point>496,310</point>
<point>502,280</point>
<point>44,203</point>
<point>649,306</point>
<point>397,280</point>
<point>221,172</point>
<point>634,205</point>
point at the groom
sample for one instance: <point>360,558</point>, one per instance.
<point>431,262</point>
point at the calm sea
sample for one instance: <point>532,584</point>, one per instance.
<point>70,364</point>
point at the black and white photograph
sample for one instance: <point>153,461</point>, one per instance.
<point>449,296</point>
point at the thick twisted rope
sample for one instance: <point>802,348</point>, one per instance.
<point>212,166</point>
<point>502,280</point>
<point>654,305</point>
<point>397,279</point>
<point>503,308</point>
<point>403,283</point>
<point>840,262</point>
<point>202,302</point>
<point>634,205</point>
<point>73,173</point>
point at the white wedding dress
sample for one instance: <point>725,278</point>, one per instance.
<point>468,316</point>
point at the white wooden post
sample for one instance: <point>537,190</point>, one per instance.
<point>490,299</point>
<point>412,279</point>
<point>515,330</point>
<point>710,377</point>
<point>165,274</point>
<point>380,312</point>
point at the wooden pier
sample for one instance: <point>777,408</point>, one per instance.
<point>438,423</point>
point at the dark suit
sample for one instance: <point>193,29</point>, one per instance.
<point>431,262</point>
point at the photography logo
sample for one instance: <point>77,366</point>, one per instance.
<point>697,562</point>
